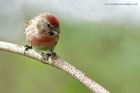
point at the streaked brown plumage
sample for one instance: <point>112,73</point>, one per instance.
<point>42,32</point>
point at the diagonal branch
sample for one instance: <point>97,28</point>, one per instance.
<point>58,62</point>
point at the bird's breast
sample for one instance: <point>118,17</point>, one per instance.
<point>43,40</point>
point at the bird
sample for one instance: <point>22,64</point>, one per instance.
<point>42,33</point>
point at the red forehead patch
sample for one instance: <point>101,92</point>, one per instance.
<point>53,20</point>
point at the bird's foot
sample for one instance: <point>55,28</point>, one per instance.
<point>27,47</point>
<point>51,55</point>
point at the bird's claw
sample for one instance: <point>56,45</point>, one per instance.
<point>27,47</point>
<point>49,55</point>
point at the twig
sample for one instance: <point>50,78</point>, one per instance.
<point>58,62</point>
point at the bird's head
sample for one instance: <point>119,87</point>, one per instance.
<point>48,23</point>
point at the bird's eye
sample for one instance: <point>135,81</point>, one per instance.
<point>49,25</point>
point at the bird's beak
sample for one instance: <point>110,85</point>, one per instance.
<point>56,30</point>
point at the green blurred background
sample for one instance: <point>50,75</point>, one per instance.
<point>103,43</point>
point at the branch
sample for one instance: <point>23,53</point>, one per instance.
<point>58,63</point>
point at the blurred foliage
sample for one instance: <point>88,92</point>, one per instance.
<point>110,54</point>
